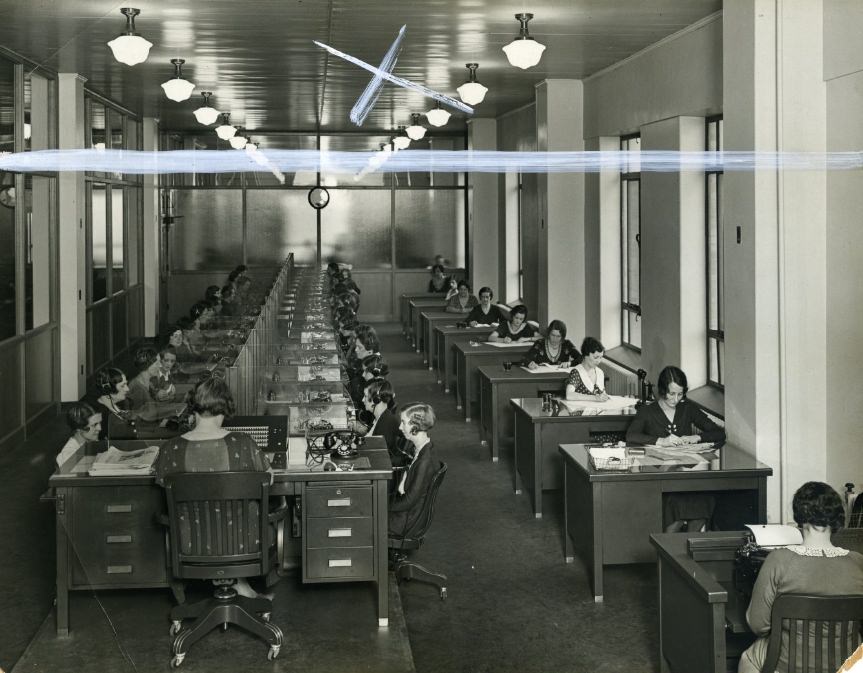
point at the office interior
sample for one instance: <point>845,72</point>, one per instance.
<point>746,279</point>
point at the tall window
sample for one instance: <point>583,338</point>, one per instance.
<point>630,243</point>
<point>715,317</point>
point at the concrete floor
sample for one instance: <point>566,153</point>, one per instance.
<point>513,604</point>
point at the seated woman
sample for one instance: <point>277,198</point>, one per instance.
<point>230,307</point>
<point>213,295</point>
<point>162,388</point>
<point>379,400</point>
<point>669,422</point>
<point>555,349</point>
<point>587,381</point>
<point>348,281</point>
<point>180,342</point>
<point>485,313</point>
<point>463,301</point>
<point>110,402</point>
<point>441,283</point>
<point>140,401</point>
<point>816,567</point>
<point>375,367</point>
<point>407,500</point>
<point>85,423</point>
<point>210,448</point>
<point>515,329</point>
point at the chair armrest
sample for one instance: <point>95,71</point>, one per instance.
<point>279,513</point>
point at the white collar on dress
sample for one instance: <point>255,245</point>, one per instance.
<point>829,552</point>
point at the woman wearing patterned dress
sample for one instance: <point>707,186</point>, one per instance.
<point>587,381</point>
<point>514,329</point>
<point>555,349</point>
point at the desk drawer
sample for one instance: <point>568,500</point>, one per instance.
<point>352,562</point>
<point>338,501</point>
<point>339,532</point>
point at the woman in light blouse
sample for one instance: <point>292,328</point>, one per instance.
<point>587,381</point>
<point>515,329</point>
<point>463,301</point>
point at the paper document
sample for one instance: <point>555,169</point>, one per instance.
<point>701,447</point>
<point>775,534</point>
<point>603,453</point>
<point>614,403</point>
<point>116,462</point>
<point>548,369</point>
<point>512,344</point>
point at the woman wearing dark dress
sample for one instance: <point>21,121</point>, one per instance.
<point>441,283</point>
<point>463,301</point>
<point>554,349</point>
<point>670,422</point>
<point>379,400</point>
<point>514,329</point>
<point>486,313</point>
<point>412,485</point>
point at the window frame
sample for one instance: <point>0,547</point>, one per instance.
<point>714,336</point>
<point>628,308</point>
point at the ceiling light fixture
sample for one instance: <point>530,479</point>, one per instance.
<point>239,141</point>
<point>178,89</point>
<point>524,52</point>
<point>251,147</point>
<point>437,116</point>
<point>129,47</point>
<point>415,131</point>
<point>472,92</point>
<point>205,114</point>
<point>401,142</point>
<point>225,131</point>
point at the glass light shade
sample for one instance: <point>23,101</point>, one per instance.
<point>178,89</point>
<point>250,147</point>
<point>415,132</point>
<point>401,142</point>
<point>130,49</point>
<point>206,115</point>
<point>238,142</point>
<point>472,93</point>
<point>524,53</point>
<point>226,131</point>
<point>437,116</point>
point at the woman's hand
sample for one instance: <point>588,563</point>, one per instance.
<point>507,340</point>
<point>532,365</point>
<point>473,323</point>
<point>601,397</point>
<point>671,440</point>
<point>691,439</point>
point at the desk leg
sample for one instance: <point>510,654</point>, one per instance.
<point>62,600</point>
<point>448,367</point>
<point>568,555</point>
<point>383,554</point>
<point>458,399</point>
<point>495,456</point>
<point>597,542</point>
<point>468,391</point>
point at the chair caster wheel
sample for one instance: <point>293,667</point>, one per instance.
<point>273,652</point>
<point>443,593</point>
<point>176,625</point>
<point>177,660</point>
<point>265,616</point>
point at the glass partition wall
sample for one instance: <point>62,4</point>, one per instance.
<point>28,253</point>
<point>387,225</point>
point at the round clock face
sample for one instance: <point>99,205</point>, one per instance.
<point>7,197</point>
<point>319,197</point>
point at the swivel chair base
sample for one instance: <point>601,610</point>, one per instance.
<point>407,570</point>
<point>226,607</point>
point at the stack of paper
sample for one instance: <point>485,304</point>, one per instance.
<point>775,534</point>
<point>511,344</point>
<point>613,404</point>
<point>548,369</point>
<point>114,462</point>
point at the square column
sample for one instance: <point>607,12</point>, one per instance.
<point>483,259</point>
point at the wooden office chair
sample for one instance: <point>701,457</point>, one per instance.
<point>831,618</point>
<point>399,544</point>
<point>221,530</point>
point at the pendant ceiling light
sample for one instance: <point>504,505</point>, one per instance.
<point>129,47</point>
<point>239,141</point>
<point>437,116</point>
<point>178,89</point>
<point>250,146</point>
<point>225,131</point>
<point>401,142</point>
<point>205,114</point>
<point>524,52</point>
<point>415,131</point>
<point>472,92</point>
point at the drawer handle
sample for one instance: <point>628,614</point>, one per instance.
<point>339,532</point>
<point>339,502</point>
<point>119,509</point>
<point>340,563</point>
<point>119,570</point>
<point>118,539</point>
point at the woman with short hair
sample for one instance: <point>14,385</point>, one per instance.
<point>515,329</point>
<point>586,381</point>
<point>463,301</point>
<point>555,349</point>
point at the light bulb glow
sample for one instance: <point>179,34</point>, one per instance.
<point>524,53</point>
<point>130,49</point>
<point>178,89</point>
<point>438,116</point>
<point>472,93</point>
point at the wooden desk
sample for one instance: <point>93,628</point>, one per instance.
<point>536,460</point>
<point>428,320</point>
<point>469,358</point>
<point>107,537</point>
<point>496,388</point>
<point>445,337</point>
<point>404,308</point>
<point>415,307</point>
<point>608,516</point>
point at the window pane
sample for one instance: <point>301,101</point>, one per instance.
<point>98,242</point>
<point>713,360</point>
<point>624,243</point>
<point>634,330</point>
<point>624,324</point>
<point>279,222</point>
<point>355,226</point>
<point>632,246</point>
<point>429,223</point>
<point>98,138</point>
<point>712,254</point>
<point>38,100</point>
<point>209,235</point>
<point>350,144</point>
<point>38,195</point>
<point>114,135</point>
<point>720,255</point>
<point>722,362</point>
<point>7,204</point>
<point>117,224</point>
<point>133,233</point>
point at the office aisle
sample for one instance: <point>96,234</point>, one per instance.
<point>513,604</point>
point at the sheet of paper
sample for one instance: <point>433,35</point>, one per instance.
<point>512,344</point>
<point>548,369</point>
<point>775,534</point>
<point>614,402</point>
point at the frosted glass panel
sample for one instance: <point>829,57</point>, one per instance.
<point>37,229</point>
<point>355,227</point>
<point>264,177</point>
<point>133,232</point>
<point>210,233</point>
<point>117,275</point>
<point>98,242</point>
<point>39,368</point>
<point>429,222</point>
<point>280,222</point>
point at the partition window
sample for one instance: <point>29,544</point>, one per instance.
<point>713,219</point>
<point>630,242</point>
